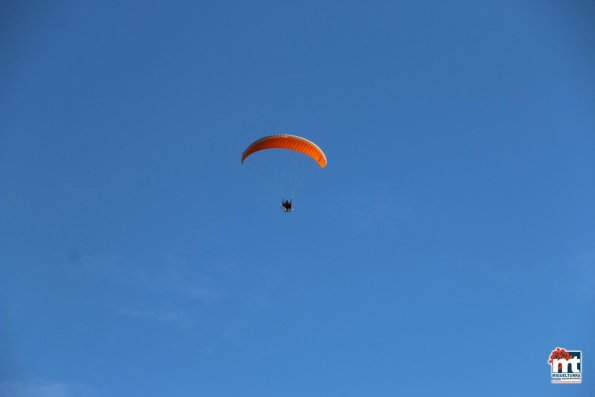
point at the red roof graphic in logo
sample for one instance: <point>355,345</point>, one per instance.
<point>559,354</point>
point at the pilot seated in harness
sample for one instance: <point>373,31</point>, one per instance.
<point>287,205</point>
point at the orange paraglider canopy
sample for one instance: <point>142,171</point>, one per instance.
<point>285,141</point>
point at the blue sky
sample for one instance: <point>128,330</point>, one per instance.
<point>447,248</point>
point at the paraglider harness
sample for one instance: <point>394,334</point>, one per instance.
<point>287,205</point>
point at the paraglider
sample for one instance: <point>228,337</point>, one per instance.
<point>288,142</point>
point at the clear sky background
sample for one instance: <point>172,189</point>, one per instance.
<point>448,247</point>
